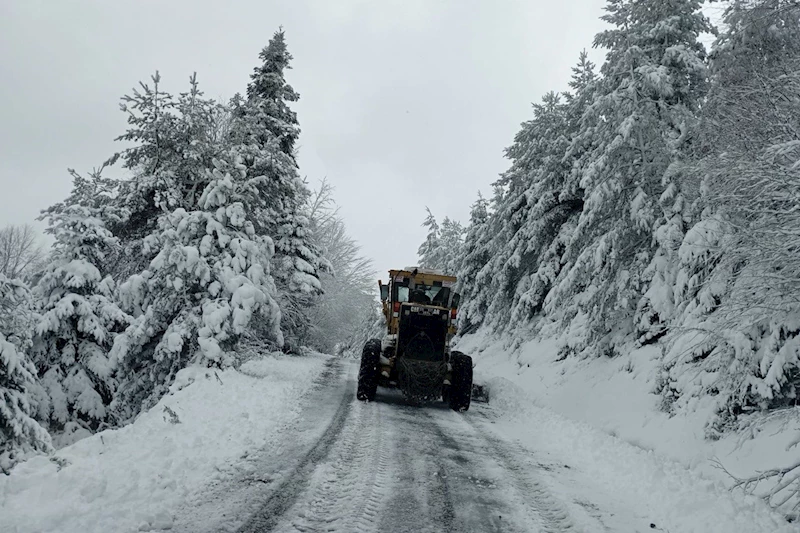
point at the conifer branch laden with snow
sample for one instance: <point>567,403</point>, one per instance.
<point>208,280</point>
<point>79,319</point>
<point>20,432</point>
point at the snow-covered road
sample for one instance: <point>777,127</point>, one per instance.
<point>383,466</point>
<point>389,467</point>
<point>266,449</point>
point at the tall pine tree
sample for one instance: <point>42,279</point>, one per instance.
<point>652,85</point>
<point>429,251</point>
<point>475,257</point>
<point>264,134</point>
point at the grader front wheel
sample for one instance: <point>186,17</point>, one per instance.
<point>460,390</point>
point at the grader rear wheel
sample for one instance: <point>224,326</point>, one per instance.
<point>368,373</point>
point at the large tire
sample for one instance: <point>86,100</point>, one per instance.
<point>368,373</point>
<point>460,392</point>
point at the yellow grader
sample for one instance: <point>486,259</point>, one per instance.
<point>414,356</point>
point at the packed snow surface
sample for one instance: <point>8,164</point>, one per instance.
<point>133,478</point>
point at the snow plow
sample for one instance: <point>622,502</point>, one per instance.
<point>414,356</point>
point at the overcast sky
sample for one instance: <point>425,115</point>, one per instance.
<point>403,104</point>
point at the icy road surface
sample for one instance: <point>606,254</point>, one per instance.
<point>347,466</point>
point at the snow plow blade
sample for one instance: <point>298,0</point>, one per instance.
<point>480,393</point>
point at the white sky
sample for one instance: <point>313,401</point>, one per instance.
<point>403,104</point>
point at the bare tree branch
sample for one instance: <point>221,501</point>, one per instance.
<point>20,251</point>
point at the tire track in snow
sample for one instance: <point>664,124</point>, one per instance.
<point>346,492</point>
<point>494,483</point>
<point>553,515</point>
<point>478,482</point>
<point>367,511</point>
<point>284,495</point>
<point>240,488</point>
<point>422,497</point>
<point>389,467</point>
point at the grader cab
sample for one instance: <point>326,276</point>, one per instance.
<point>414,356</point>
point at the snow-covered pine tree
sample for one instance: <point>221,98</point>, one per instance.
<point>442,249</point>
<point>79,319</point>
<point>552,219</point>
<point>652,84</point>
<point>583,91</point>
<point>17,314</point>
<point>451,242</point>
<point>175,140</point>
<point>475,257</point>
<point>264,133</point>
<point>529,214</point>
<point>209,280</point>
<point>20,433</point>
<point>737,291</point>
<point>297,266</point>
<point>495,281</point>
<point>536,249</point>
<point>483,292</point>
<point>680,203</point>
<point>430,251</point>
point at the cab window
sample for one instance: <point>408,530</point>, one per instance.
<point>402,294</point>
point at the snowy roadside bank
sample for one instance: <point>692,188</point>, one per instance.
<point>614,396</point>
<point>133,478</point>
<point>628,487</point>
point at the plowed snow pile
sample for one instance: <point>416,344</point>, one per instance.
<point>131,479</point>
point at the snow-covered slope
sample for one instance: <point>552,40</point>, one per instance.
<point>615,396</point>
<point>628,488</point>
<point>133,478</point>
